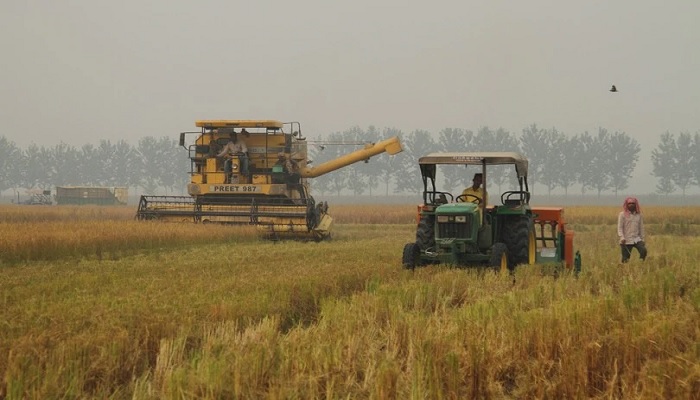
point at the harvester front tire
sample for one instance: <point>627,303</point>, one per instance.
<point>519,237</point>
<point>411,256</point>
<point>425,234</point>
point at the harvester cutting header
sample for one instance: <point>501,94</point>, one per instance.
<point>254,172</point>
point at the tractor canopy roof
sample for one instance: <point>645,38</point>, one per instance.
<point>239,123</point>
<point>427,163</point>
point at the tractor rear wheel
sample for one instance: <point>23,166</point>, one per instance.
<point>425,235</point>
<point>411,256</point>
<point>519,237</point>
<point>499,258</point>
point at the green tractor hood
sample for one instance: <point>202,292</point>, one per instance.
<point>457,208</point>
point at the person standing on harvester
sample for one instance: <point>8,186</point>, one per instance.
<point>234,148</point>
<point>630,229</point>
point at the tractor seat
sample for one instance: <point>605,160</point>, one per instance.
<point>512,203</point>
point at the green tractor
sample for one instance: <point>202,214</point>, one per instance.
<point>462,230</point>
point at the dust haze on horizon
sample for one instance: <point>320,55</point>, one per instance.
<point>81,71</point>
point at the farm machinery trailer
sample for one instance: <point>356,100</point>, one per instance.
<point>273,194</point>
<point>464,230</point>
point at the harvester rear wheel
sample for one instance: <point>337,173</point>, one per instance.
<point>519,237</point>
<point>425,234</point>
<point>411,256</point>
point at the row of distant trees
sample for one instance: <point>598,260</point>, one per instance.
<point>600,162</point>
<point>676,162</point>
<point>154,163</point>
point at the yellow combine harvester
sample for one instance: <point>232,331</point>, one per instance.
<point>264,185</point>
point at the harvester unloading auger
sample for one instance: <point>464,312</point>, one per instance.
<point>273,194</point>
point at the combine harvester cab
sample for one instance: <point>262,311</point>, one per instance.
<point>273,194</point>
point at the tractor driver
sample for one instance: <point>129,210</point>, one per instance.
<point>475,191</point>
<point>234,148</point>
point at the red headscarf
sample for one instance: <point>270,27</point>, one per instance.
<point>628,201</point>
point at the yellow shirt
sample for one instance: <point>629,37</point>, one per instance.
<point>478,193</point>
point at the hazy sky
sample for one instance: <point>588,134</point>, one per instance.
<point>80,71</point>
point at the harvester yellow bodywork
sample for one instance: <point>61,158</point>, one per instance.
<point>274,193</point>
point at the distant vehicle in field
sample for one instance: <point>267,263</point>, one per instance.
<point>463,230</point>
<point>266,186</point>
<point>91,195</point>
<point>39,198</point>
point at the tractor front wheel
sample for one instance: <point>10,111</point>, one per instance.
<point>411,256</point>
<point>425,235</point>
<point>499,258</point>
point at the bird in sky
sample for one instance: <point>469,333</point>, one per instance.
<point>613,89</point>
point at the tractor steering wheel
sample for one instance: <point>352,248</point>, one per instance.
<point>462,198</point>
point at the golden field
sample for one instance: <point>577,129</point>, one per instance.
<point>98,305</point>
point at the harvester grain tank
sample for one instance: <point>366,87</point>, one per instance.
<point>272,194</point>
